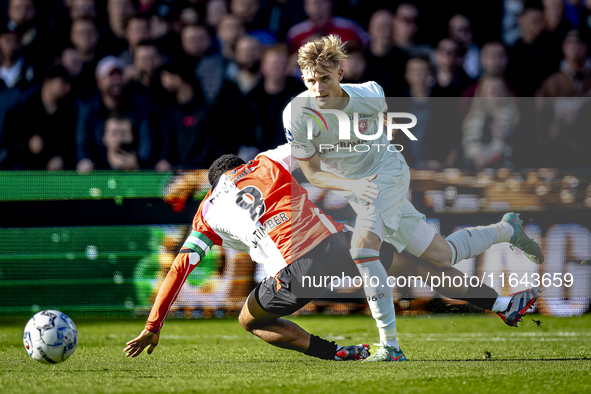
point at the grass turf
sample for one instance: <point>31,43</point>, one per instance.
<point>447,353</point>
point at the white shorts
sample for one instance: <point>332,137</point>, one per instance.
<point>412,234</point>
<point>392,217</point>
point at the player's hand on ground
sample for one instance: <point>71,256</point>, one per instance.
<point>365,189</point>
<point>137,345</point>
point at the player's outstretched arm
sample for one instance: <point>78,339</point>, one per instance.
<point>363,188</point>
<point>181,268</point>
<point>138,344</point>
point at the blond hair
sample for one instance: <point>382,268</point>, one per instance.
<point>325,52</point>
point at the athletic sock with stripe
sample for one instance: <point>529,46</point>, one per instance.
<point>377,293</point>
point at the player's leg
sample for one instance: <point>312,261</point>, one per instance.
<point>431,247</point>
<point>406,265</point>
<point>284,294</point>
<point>285,334</point>
<point>365,247</point>
<point>470,242</point>
<point>509,308</point>
<point>462,244</point>
<point>271,328</point>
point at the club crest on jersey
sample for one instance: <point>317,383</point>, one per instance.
<point>363,126</point>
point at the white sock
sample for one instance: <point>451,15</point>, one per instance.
<point>392,343</point>
<point>379,298</point>
<point>472,241</point>
<point>501,304</point>
<point>504,231</point>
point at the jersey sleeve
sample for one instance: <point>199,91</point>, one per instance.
<point>377,93</point>
<point>384,104</point>
<point>195,248</point>
<point>281,155</point>
<point>296,133</point>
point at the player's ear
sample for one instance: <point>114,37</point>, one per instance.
<point>341,72</point>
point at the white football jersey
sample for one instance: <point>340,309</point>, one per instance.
<point>351,157</point>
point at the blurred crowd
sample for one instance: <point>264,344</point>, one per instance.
<point>172,84</point>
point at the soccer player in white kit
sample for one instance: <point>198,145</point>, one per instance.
<point>375,178</point>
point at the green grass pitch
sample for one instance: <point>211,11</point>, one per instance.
<point>447,353</point>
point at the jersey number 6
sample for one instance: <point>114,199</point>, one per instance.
<point>251,199</point>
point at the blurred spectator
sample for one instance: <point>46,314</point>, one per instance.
<point>81,73</point>
<point>10,99</point>
<point>433,149</point>
<point>512,9</point>
<point>120,143</point>
<point>280,15</point>
<point>494,60</point>
<point>91,151</point>
<point>75,9</point>
<point>491,121</point>
<point>245,71</point>
<point>216,9</point>
<point>112,41</point>
<point>146,5</point>
<point>42,130</point>
<point>81,9</point>
<point>162,30</point>
<point>530,60</point>
<point>189,139</point>
<point>145,81</point>
<point>321,22</point>
<point>195,41</point>
<point>247,12</point>
<point>406,28</point>
<point>147,59</point>
<point>188,15</point>
<point>355,69</point>
<point>269,98</point>
<point>460,31</point>
<point>451,78</point>
<point>585,21</point>
<point>84,36</point>
<point>137,29</point>
<point>23,19</point>
<point>15,71</point>
<point>563,121</point>
<point>229,31</point>
<point>563,132</point>
<point>420,78</point>
<point>574,77</point>
<point>385,60</point>
<point>556,23</point>
<point>72,61</point>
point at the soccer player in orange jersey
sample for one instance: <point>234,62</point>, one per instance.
<point>258,208</point>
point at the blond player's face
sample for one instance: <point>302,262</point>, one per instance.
<point>324,85</point>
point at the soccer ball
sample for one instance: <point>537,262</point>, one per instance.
<point>50,337</point>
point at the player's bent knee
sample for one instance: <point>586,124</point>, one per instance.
<point>253,316</point>
<point>245,321</point>
<point>438,252</point>
<point>365,237</point>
